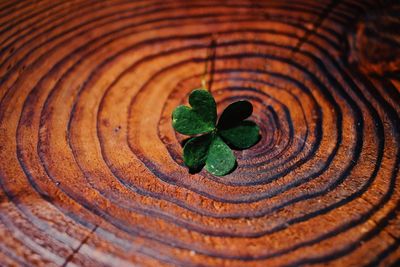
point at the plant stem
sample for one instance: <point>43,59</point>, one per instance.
<point>210,57</point>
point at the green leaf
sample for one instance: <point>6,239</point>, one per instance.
<point>195,151</point>
<point>220,159</point>
<point>242,135</point>
<point>188,122</point>
<point>204,104</point>
<point>200,118</point>
<point>212,149</point>
<point>234,113</point>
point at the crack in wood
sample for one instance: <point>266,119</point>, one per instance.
<point>76,250</point>
<point>316,25</point>
<point>324,173</point>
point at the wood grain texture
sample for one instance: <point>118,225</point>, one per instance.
<point>91,171</point>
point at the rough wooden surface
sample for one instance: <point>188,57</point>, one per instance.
<point>91,171</point>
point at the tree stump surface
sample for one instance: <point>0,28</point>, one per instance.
<point>91,170</point>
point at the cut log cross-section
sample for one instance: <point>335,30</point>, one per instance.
<point>91,170</point>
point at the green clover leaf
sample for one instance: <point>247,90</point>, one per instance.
<point>234,129</point>
<point>220,158</point>
<point>213,148</point>
<point>198,119</point>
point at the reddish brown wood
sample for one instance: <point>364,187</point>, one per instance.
<point>91,171</point>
